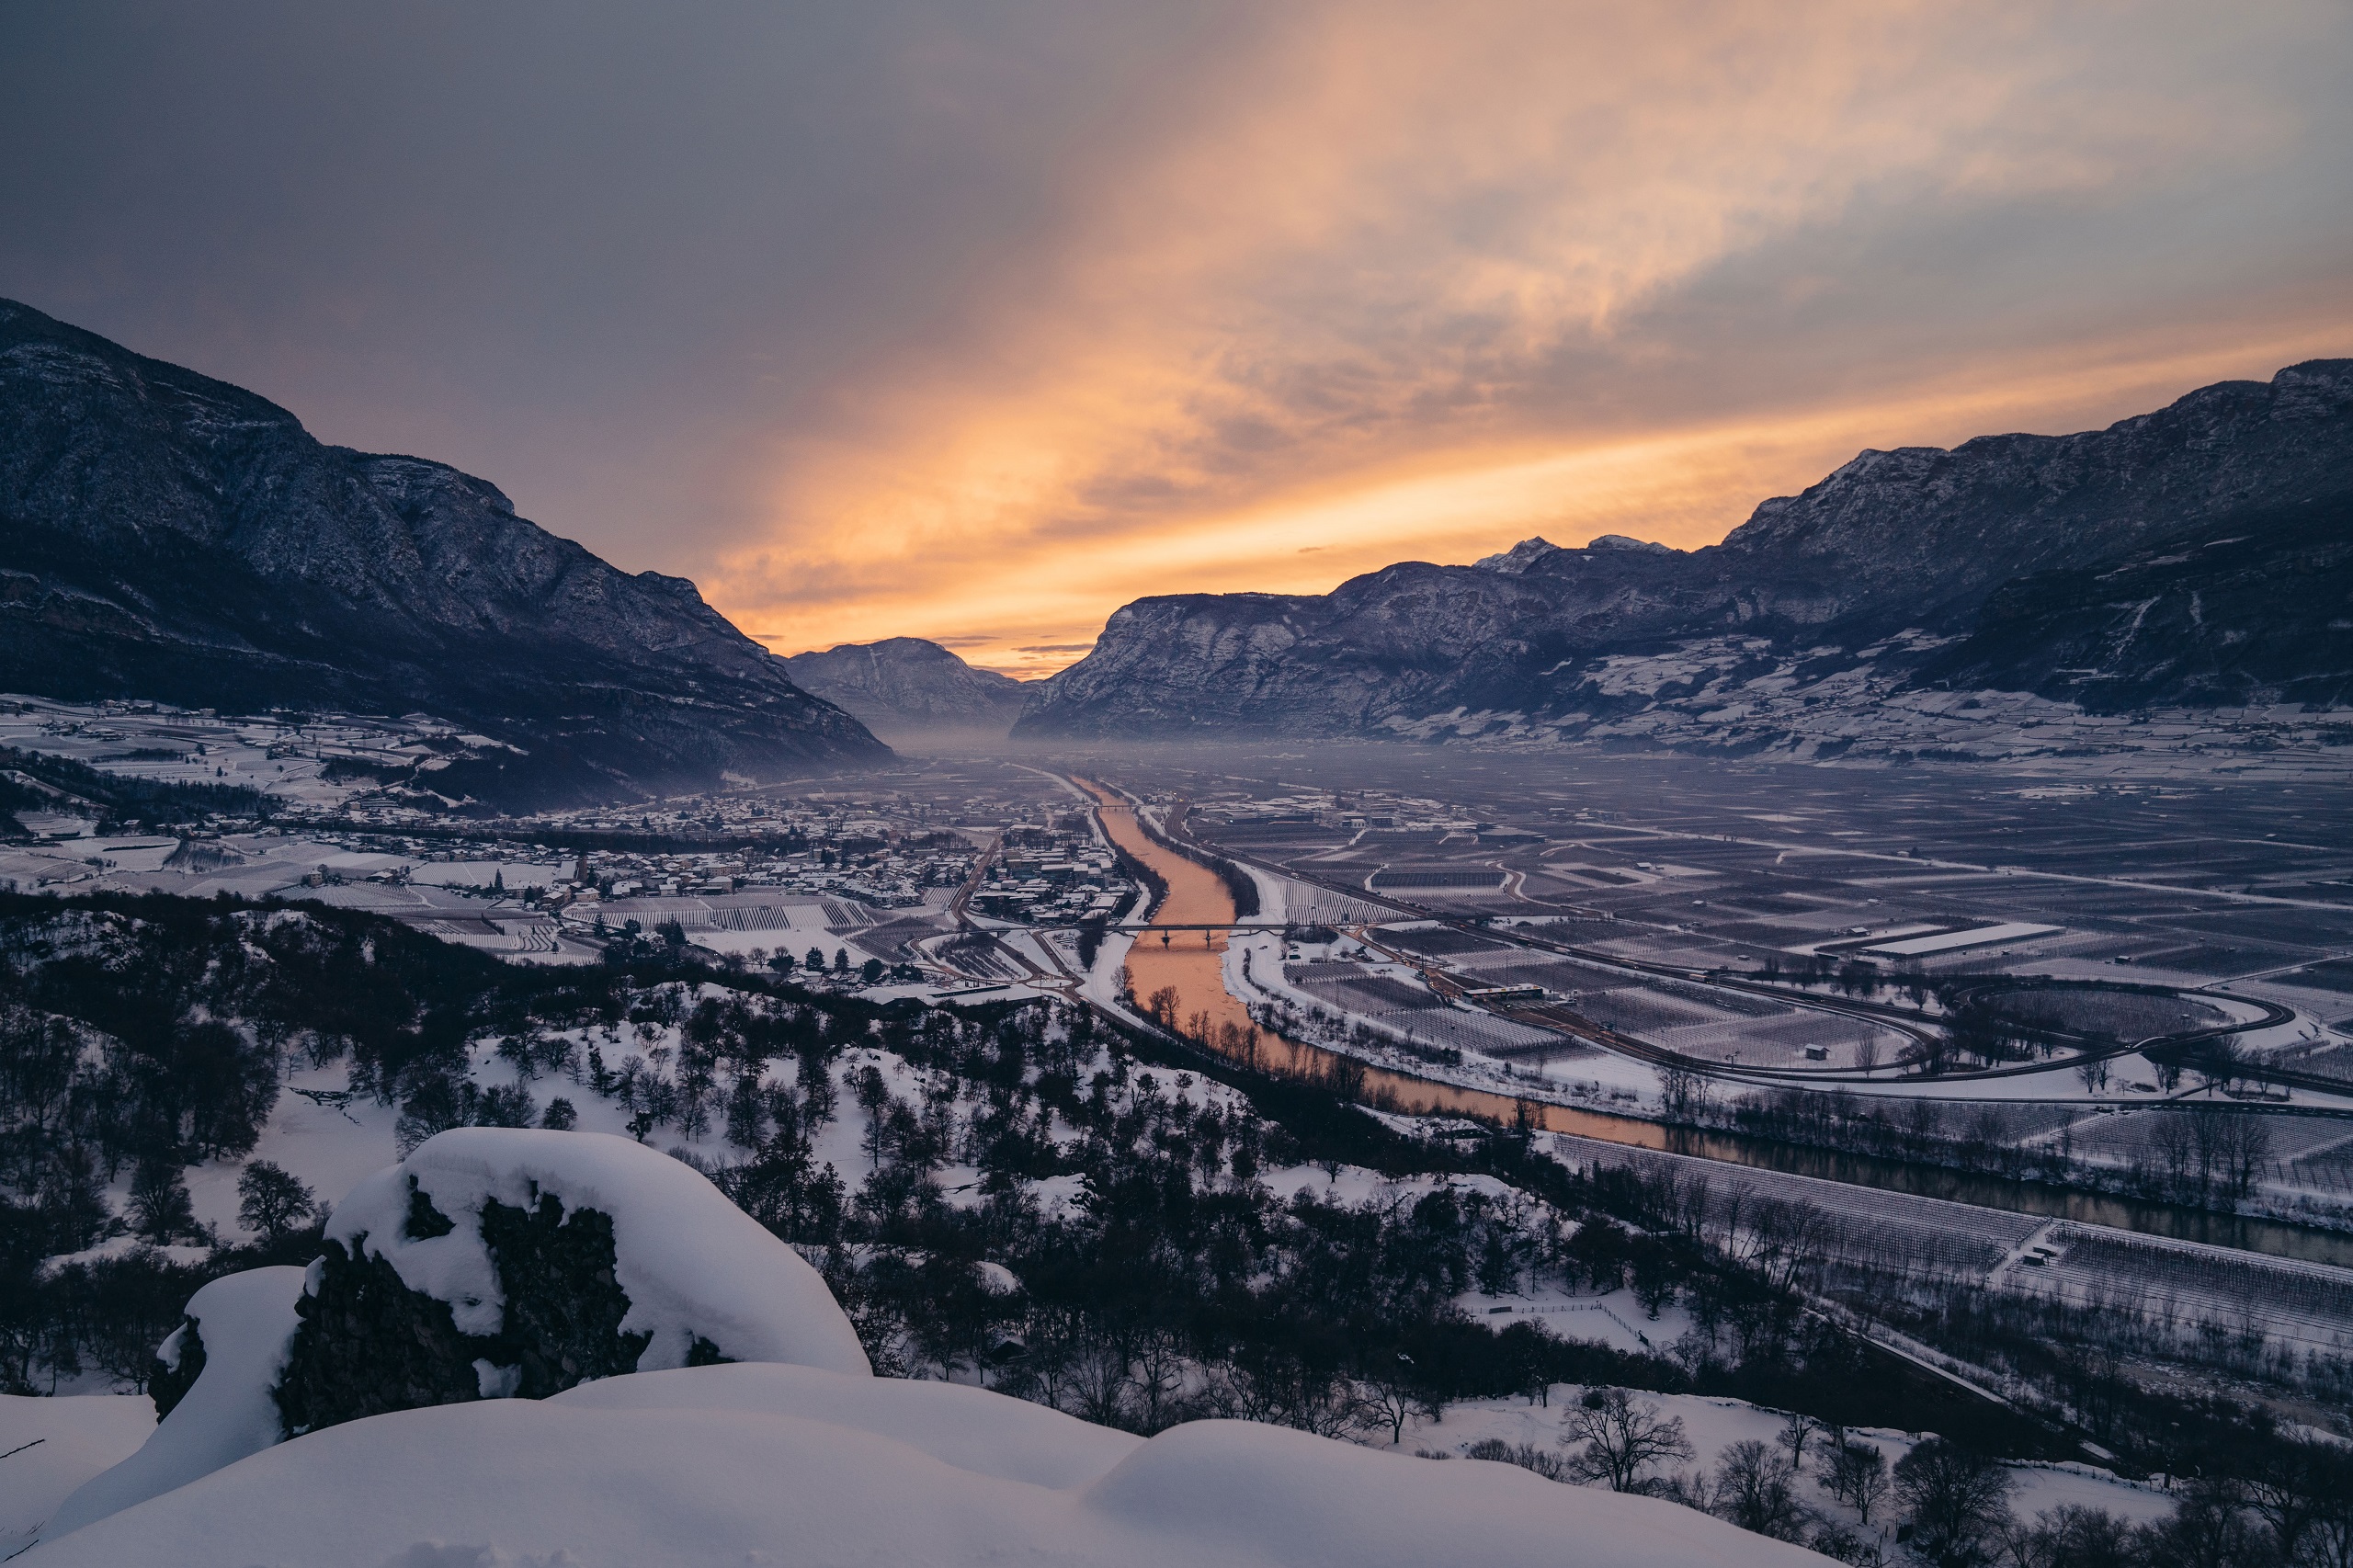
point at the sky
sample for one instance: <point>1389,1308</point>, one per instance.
<point>976,320</point>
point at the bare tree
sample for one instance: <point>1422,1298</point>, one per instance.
<point>1858,1478</point>
<point>2217,1062</point>
<point>1543,1461</point>
<point>2291,1489</point>
<point>2243,1150</point>
<point>1756,1488</point>
<point>1624,1440</point>
<point>1956,1499</point>
<point>1681,1091</point>
<point>274,1201</point>
<point>1096,1379</point>
<point>1389,1402</point>
<point>2328,1541</point>
<point>1796,1428</point>
<point>2170,1137</point>
<point>2071,1536</point>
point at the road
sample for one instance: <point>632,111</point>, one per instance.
<point>2181,1044</point>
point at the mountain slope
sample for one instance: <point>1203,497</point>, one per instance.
<point>164,535</point>
<point>908,685</point>
<point>2256,607</point>
<point>1920,544</point>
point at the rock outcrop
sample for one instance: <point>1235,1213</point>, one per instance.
<point>493,1263</point>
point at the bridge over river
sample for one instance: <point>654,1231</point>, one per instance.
<point>1193,977</point>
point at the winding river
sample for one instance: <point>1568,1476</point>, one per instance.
<point>1191,964</point>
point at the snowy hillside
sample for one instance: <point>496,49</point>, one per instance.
<point>772,1464</point>
<point>768,1457</point>
<point>561,1185</point>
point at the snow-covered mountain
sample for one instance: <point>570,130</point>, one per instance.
<point>906,687</point>
<point>740,1422</point>
<point>169,537</point>
<point>2197,556</point>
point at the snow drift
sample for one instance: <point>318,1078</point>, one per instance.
<point>244,1323</point>
<point>737,1464</point>
<point>678,1272</point>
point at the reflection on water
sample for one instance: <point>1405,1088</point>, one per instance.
<point>1190,965</point>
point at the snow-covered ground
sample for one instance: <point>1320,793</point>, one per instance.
<point>1712,1425</point>
<point>53,1446</point>
<point>792,1452</point>
<point>175,746</point>
<point>1254,970</point>
<point>1613,1318</point>
<point>1707,694</point>
<point>774,1464</point>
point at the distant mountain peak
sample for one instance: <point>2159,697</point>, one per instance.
<point>907,685</point>
<point>1519,558</point>
<point>1530,553</point>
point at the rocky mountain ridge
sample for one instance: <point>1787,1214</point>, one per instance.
<point>2189,557</point>
<point>171,537</point>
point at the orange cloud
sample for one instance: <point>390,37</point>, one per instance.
<point>1403,287</point>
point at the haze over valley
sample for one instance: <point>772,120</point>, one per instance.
<point>1171,786</point>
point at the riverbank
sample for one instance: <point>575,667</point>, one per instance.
<point>1183,987</point>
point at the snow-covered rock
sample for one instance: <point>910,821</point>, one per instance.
<point>685,1275</point>
<point>692,1264</point>
<point>792,1451</point>
<point>749,1464</point>
<point>244,1323</point>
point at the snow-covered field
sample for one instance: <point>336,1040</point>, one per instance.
<point>280,757</point>
<point>1705,694</point>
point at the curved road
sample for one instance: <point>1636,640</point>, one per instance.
<point>1559,1018</point>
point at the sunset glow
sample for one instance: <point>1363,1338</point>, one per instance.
<point>1392,291</point>
<point>975,321</point>
<point>1026,598</point>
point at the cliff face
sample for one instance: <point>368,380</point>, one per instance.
<point>1979,561</point>
<point>908,685</point>
<point>166,536</point>
<point>1921,535</point>
<point>2255,607</point>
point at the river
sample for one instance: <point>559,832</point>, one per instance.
<point>1191,964</point>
